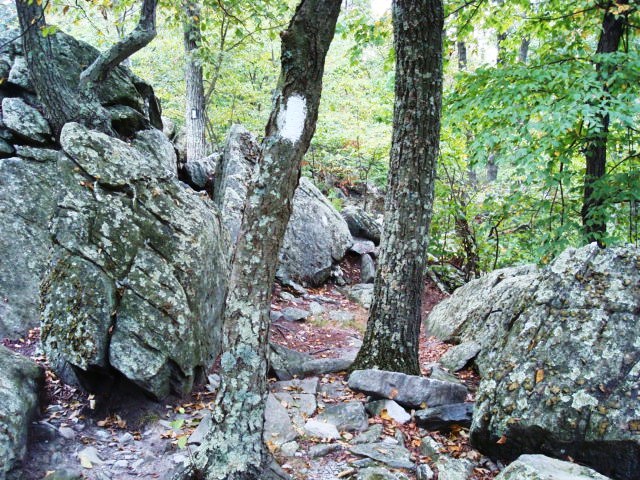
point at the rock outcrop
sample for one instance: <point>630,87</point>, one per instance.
<point>361,224</point>
<point>560,358</point>
<point>539,467</point>
<point>20,383</point>
<point>316,236</point>
<point>139,268</point>
<point>29,156</point>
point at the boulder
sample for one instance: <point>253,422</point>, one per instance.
<point>408,390</point>
<point>199,173</point>
<point>316,235</point>
<point>20,383</point>
<point>453,468</point>
<point>28,192</point>
<point>315,238</point>
<point>560,376</point>
<point>361,224</point>
<point>395,456</point>
<point>362,246</point>
<point>287,363</point>
<point>362,294</point>
<point>278,428</point>
<point>138,274</point>
<point>25,121</point>
<point>445,416</point>
<point>539,467</point>
<point>293,314</point>
<point>459,356</point>
<point>389,409</point>
<point>367,269</point>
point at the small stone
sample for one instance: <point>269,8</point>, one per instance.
<point>316,309</point>
<point>362,246</point>
<point>341,316</point>
<point>445,416</point>
<point>430,448</point>
<point>121,464</point>
<point>391,408</point>
<point>89,456</point>
<point>293,314</point>
<point>25,120</point>
<point>64,474</point>
<point>395,456</point>
<point>459,356</point>
<point>289,449</point>
<point>67,433</point>
<point>125,438</point>
<point>348,416</point>
<point>323,449</point>
<point>318,429</point>
<point>424,472</point>
<point>213,381</point>
<point>371,435</point>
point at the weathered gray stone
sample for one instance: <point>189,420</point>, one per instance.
<point>28,192</point>
<point>287,363</point>
<point>539,467</point>
<point>362,246</point>
<point>20,382</point>
<point>362,294</point>
<point>25,121</point>
<point>562,374</point>
<point>367,269</point>
<point>6,149</point>
<point>323,449</point>
<point>305,385</point>
<point>453,468</point>
<point>430,448</point>
<point>315,238</point>
<point>342,316</point>
<point>408,390</point>
<point>139,270</point>
<point>203,427</point>
<point>459,356</point>
<point>168,127</point>
<point>361,224</point>
<point>439,373</point>
<point>319,429</point>
<point>390,408</point>
<point>293,314</point>
<point>289,449</point>
<point>316,309</point>
<point>19,74</point>
<point>371,435</point>
<point>200,172</point>
<point>278,428</point>
<point>126,120</point>
<point>347,416</point>
<point>153,144</point>
<point>445,416</point>
<point>378,473</point>
<point>424,472</point>
<point>395,456</point>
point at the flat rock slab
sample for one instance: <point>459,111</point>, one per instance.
<point>459,356</point>
<point>390,409</point>
<point>540,467</point>
<point>378,473</point>
<point>372,435</point>
<point>292,314</point>
<point>445,416</point>
<point>25,121</point>
<point>395,456</point>
<point>288,364</point>
<point>348,416</point>
<point>453,468</point>
<point>324,430</point>
<point>408,390</point>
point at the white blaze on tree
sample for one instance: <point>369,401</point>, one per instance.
<point>291,118</point>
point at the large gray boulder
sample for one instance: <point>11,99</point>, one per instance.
<point>362,224</point>
<point>20,383</point>
<point>139,269</point>
<point>560,376</point>
<point>29,181</point>
<point>539,467</point>
<point>316,236</point>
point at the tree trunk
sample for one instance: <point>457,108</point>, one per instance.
<point>78,102</point>
<point>233,448</point>
<point>392,336</point>
<point>195,107</point>
<point>593,218</point>
<point>523,53</point>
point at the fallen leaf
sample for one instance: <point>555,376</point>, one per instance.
<point>539,375</point>
<point>502,440</point>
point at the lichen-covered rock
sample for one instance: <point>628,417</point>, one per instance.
<point>361,224</point>
<point>562,376</point>
<point>139,269</point>
<point>316,236</point>
<point>25,121</point>
<point>20,383</point>
<point>28,192</point>
<point>539,467</point>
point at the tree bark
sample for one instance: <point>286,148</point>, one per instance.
<point>195,104</point>
<point>233,448</point>
<point>593,218</point>
<point>523,52</point>
<point>77,102</point>
<point>392,338</point>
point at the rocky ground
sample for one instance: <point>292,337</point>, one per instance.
<point>129,436</point>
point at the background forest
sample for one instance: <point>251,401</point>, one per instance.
<point>521,103</point>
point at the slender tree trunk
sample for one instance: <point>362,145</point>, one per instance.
<point>195,105</point>
<point>392,336</point>
<point>233,448</point>
<point>593,218</point>
<point>77,102</point>
<point>523,53</point>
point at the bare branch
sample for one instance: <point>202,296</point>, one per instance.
<point>144,32</point>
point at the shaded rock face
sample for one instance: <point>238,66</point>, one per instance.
<point>560,360</point>
<point>138,273</point>
<point>316,237</point>
<point>29,157</point>
<point>362,224</point>
<point>20,383</point>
